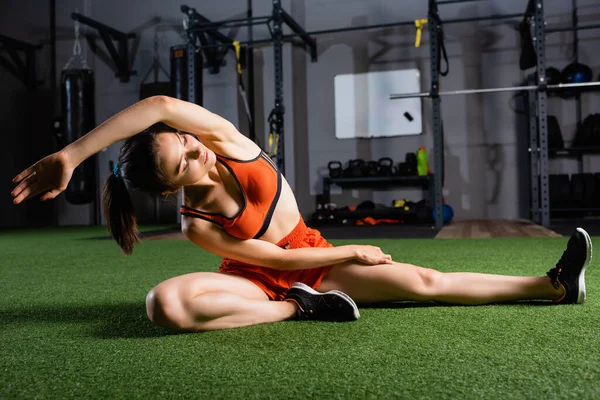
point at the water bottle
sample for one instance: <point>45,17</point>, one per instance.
<point>422,166</point>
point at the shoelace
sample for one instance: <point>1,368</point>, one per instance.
<point>555,272</point>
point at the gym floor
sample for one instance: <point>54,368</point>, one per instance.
<point>74,325</point>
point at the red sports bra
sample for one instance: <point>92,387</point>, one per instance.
<point>260,184</point>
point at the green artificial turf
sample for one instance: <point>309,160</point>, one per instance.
<point>73,324</point>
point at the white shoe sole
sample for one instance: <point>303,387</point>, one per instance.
<point>343,295</point>
<point>588,258</point>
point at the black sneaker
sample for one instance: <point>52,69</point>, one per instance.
<point>570,269</point>
<point>331,306</point>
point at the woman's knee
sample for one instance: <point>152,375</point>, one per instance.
<point>164,307</point>
<point>430,283</point>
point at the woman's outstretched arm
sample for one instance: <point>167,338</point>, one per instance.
<point>51,174</point>
<point>258,252</point>
<point>134,119</point>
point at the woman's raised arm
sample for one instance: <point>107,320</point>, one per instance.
<point>179,114</point>
<point>51,174</point>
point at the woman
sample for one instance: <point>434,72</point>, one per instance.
<point>238,206</point>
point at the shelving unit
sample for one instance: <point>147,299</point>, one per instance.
<point>378,183</point>
<point>415,214</point>
<point>573,151</point>
<point>539,150</point>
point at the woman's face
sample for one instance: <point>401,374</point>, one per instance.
<point>183,159</point>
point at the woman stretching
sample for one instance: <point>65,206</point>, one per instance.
<point>238,206</point>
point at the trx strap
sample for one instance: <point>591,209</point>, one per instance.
<point>273,131</point>
<point>441,50</point>
<point>242,90</point>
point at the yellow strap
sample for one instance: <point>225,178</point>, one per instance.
<point>236,46</point>
<point>276,144</point>
<point>419,23</point>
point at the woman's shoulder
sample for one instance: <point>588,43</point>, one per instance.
<point>235,146</point>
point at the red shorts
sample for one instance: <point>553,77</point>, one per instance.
<point>276,283</point>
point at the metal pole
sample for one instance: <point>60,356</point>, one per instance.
<point>534,158</point>
<point>573,28</point>
<point>191,97</point>
<point>54,86</point>
<point>578,113</point>
<point>215,26</point>
<point>441,3</point>
<point>367,27</point>
<point>540,44</point>
<point>574,22</point>
<point>436,110</point>
<point>53,83</point>
<point>278,59</point>
<point>250,69</point>
<point>494,90</point>
<point>230,23</point>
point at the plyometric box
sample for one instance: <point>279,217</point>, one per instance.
<point>363,108</point>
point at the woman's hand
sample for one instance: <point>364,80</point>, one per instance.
<point>49,176</point>
<point>371,255</point>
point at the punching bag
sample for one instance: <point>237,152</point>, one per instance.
<point>179,74</point>
<point>77,93</point>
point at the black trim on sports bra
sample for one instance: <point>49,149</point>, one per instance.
<point>219,214</point>
<point>240,161</point>
<point>269,215</point>
<point>183,211</point>
<point>267,221</point>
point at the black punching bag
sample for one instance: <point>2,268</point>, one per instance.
<point>179,74</point>
<point>77,92</point>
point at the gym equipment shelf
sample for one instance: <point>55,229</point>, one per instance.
<point>378,183</point>
<point>572,91</point>
<point>541,209</point>
<point>573,151</point>
<point>578,209</point>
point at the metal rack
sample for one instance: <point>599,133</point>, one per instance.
<point>540,189</point>
<point>540,197</point>
<point>217,45</point>
<point>537,90</point>
<point>199,25</point>
<point>537,101</point>
<point>435,32</point>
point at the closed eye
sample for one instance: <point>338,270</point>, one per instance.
<point>186,158</point>
<point>185,165</point>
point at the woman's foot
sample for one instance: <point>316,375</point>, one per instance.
<point>312,305</point>
<point>569,272</point>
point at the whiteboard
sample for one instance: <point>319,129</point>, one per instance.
<point>363,108</point>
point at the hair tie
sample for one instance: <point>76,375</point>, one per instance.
<point>117,171</point>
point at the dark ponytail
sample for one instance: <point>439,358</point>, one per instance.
<point>120,214</point>
<point>137,169</point>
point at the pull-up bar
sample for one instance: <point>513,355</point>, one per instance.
<point>494,90</point>
<point>444,2</point>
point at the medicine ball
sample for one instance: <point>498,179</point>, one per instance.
<point>447,213</point>
<point>576,73</point>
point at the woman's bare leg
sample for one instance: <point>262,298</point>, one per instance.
<point>397,282</point>
<point>204,301</point>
